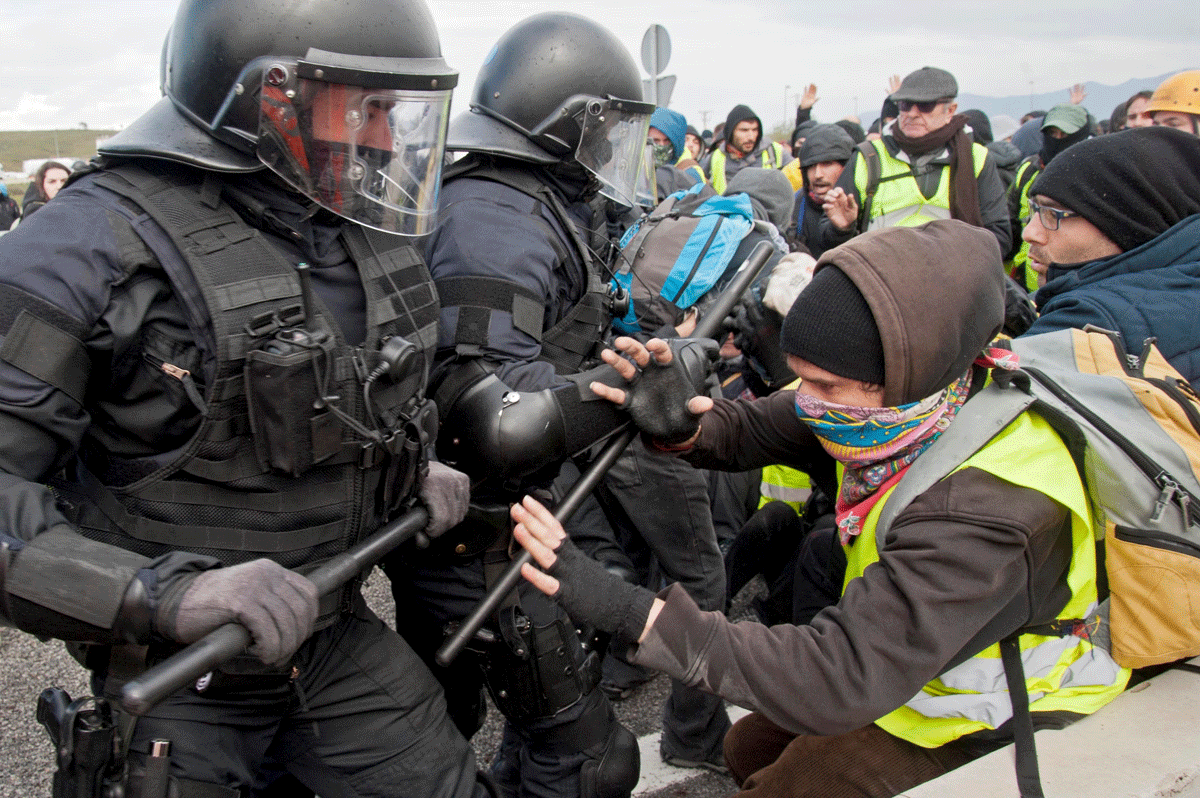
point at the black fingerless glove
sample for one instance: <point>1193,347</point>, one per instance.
<point>657,398</point>
<point>594,595</point>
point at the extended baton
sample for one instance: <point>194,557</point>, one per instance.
<point>708,327</point>
<point>227,641</point>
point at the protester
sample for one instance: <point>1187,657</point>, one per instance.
<point>1176,102</point>
<point>929,168</point>
<point>49,179</point>
<point>1134,112</point>
<point>822,159</point>
<point>1062,126</point>
<point>675,168</point>
<point>1114,234</point>
<point>9,210</point>
<point>898,680</point>
<point>744,146</point>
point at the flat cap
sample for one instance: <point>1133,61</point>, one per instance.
<point>927,83</point>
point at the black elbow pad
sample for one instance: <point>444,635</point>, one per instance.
<point>492,432</point>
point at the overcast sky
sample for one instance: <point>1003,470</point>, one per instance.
<point>96,61</point>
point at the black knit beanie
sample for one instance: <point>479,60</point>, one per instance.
<point>1133,185</point>
<point>831,326</point>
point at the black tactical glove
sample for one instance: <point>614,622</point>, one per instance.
<point>593,595</point>
<point>446,494</point>
<point>657,397</point>
<point>277,606</point>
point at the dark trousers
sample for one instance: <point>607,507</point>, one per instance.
<point>362,717</point>
<point>540,757</point>
<point>659,506</point>
<point>767,761</point>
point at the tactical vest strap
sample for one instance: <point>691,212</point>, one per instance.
<point>571,343</point>
<point>475,297</point>
<point>46,352</point>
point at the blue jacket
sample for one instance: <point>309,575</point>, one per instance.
<point>1150,291</point>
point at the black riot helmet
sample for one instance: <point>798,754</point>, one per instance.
<point>558,88</point>
<point>347,100</point>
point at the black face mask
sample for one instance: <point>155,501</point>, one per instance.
<point>1052,146</point>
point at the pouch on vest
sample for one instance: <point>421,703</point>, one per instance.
<point>675,255</point>
<point>285,377</point>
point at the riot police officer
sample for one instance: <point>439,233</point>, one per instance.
<point>212,379</point>
<point>555,125</point>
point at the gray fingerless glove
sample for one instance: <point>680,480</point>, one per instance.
<point>657,397</point>
<point>446,494</point>
<point>593,595</point>
<point>277,606</point>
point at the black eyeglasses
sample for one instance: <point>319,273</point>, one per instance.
<point>1049,217</point>
<point>924,107</point>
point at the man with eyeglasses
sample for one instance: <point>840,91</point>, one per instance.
<point>1062,126</point>
<point>1114,235</point>
<point>912,174</point>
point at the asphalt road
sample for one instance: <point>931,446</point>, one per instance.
<point>27,666</point>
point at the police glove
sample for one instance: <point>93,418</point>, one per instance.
<point>446,494</point>
<point>277,606</point>
<point>657,396</point>
<point>593,595</point>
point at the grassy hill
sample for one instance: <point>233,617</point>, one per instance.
<point>18,146</point>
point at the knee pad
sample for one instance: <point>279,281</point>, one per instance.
<point>614,772</point>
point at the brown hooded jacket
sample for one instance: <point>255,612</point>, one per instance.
<point>968,562</point>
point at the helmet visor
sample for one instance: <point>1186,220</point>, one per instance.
<point>612,146</point>
<point>371,155</point>
<point>647,185</point>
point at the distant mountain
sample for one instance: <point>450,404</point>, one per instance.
<point>1101,99</point>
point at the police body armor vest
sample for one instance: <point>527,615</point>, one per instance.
<point>574,342</point>
<point>221,495</point>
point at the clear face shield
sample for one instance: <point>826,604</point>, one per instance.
<point>647,185</point>
<point>612,146</point>
<point>363,137</point>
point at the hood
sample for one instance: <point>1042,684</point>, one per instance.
<point>981,126</point>
<point>1006,154</point>
<point>826,143</point>
<point>741,113</point>
<point>1028,137</point>
<point>673,125</point>
<point>770,188</point>
<point>937,295</point>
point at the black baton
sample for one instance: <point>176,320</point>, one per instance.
<point>708,327</point>
<point>225,642</point>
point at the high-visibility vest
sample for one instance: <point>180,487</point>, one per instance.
<point>772,158</point>
<point>782,483</point>
<point>1018,267</point>
<point>897,200</point>
<point>1061,673</point>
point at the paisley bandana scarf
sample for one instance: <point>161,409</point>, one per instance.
<point>878,444</point>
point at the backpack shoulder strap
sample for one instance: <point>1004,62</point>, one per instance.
<point>874,170</point>
<point>983,417</point>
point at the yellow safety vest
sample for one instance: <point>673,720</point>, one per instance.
<point>1061,673</point>
<point>1018,266</point>
<point>898,200</point>
<point>782,483</point>
<point>772,158</point>
<point>794,174</point>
